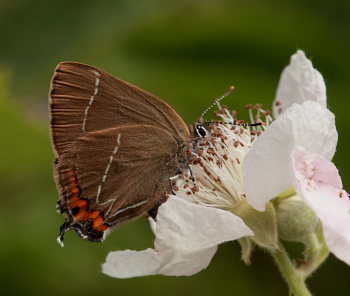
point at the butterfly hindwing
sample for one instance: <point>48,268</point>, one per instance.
<point>112,168</point>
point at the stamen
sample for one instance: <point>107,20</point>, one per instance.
<point>251,117</point>
<point>217,165</point>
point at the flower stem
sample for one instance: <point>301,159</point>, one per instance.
<point>290,273</point>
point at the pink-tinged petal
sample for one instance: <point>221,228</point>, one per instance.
<point>299,82</point>
<point>189,227</point>
<point>266,171</point>
<point>177,263</point>
<point>128,263</point>
<point>318,182</point>
<point>317,168</point>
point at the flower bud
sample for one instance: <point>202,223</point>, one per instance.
<point>295,220</point>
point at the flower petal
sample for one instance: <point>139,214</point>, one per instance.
<point>188,227</point>
<point>152,224</point>
<point>266,170</point>
<point>299,82</point>
<point>187,236</point>
<point>318,182</point>
<point>128,263</point>
<point>178,263</point>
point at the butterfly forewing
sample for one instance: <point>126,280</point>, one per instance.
<point>116,147</point>
<point>85,98</point>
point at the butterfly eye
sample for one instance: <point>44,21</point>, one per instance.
<point>201,131</point>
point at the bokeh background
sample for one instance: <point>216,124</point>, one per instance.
<point>187,52</point>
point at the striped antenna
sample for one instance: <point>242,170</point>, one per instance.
<point>217,101</point>
<point>237,124</point>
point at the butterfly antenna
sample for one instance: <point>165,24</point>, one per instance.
<point>217,101</point>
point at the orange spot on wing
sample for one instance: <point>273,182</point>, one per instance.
<point>94,214</point>
<point>83,214</point>
<point>102,227</point>
<point>76,191</point>
<point>81,203</point>
<point>98,221</point>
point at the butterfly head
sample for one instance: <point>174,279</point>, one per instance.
<point>201,131</point>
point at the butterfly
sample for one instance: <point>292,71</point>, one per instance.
<point>116,146</point>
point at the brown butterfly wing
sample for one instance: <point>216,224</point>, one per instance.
<point>84,99</point>
<point>122,172</point>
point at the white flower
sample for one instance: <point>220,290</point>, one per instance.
<point>187,236</point>
<point>266,167</point>
<point>299,82</point>
<point>318,182</point>
<point>303,137</point>
<point>237,172</point>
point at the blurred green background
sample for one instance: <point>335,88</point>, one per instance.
<point>187,52</point>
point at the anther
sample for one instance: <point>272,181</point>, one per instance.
<point>258,106</point>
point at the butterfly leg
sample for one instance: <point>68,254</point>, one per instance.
<point>192,175</point>
<point>171,183</point>
<point>153,212</point>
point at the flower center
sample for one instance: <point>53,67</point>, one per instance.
<point>217,165</point>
